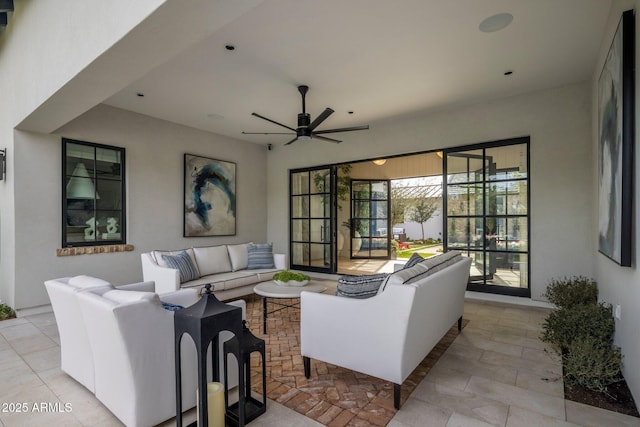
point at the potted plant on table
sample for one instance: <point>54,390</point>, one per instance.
<point>289,278</point>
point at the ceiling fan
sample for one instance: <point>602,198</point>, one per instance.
<point>306,127</point>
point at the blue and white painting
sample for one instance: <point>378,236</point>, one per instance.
<point>209,197</point>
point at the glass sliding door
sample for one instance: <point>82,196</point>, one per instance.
<point>312,213</point>
<point>487,214</point>
<point>370,220</point>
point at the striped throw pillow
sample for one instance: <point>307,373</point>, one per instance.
<point>415,258</point>
<point>260,256</point>
<point>182,262</point>
<point>359,286</point>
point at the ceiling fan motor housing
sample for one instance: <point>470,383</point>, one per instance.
<point>304,119</point>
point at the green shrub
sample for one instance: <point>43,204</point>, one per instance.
<point>568,292</point>
<point>286,275</point>
<point>565,325</point>
<point>592,365</point>
<point>6,312</point>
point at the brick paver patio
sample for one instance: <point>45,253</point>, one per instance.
<point>333,396</point>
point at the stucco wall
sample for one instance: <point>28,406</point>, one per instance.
<point>154,156</point>
<point>559,124</point>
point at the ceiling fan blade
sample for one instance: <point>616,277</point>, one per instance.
<point>266,133</point>
<point>321,118</point>
<point>292,141</point>
<point>324,138</point>
<point>365,127</point>
<point>272,121</point>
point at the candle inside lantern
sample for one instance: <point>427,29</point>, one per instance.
<point>215,405</point>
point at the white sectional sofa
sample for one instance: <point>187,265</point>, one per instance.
<point>227,267</point>
<point>389,334</point>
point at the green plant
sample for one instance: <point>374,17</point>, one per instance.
<point>565,325</point>
<point>286,275</point>
<point>568,292</point>
<point>592,365</point>
<point>6,312</point>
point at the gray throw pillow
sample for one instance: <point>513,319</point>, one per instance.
<point>415,258</point>
<point>259,256</point>
<point>182,262</point>
<point>359,286</point>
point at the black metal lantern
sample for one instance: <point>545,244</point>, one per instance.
<point>248,408</point>
<point>203,321</point>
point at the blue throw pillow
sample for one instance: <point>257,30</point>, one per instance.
<point>171,307</point>
<point>259,256</point>
<point>360,286</point>
<point>182,262</point>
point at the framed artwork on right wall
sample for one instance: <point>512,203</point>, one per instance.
<point>616,124</point>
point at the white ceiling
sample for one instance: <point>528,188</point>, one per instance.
<point>378,58</point>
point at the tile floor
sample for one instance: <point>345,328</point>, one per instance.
<point>496,373</point>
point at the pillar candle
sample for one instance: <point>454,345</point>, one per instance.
<point>215,404</point>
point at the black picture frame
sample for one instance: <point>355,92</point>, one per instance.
<point>209,197</point>
<point>616,139</point>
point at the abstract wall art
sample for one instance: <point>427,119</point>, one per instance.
<point>209,197</point>
<point>616,112</point>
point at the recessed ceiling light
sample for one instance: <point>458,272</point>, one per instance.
<point>140,94</point>
<point>496,22</point>
<point>350,112</point>
<point>508,73</point>
<point>230,47</point>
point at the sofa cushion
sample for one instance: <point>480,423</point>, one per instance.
<point>128,296</point>
<point>212,260</point>
<point>364,286</point>
<point>437,263</point>
<point>84,282</point>
<point>415,258</point>
<point>157,256</point>
<point>260,255</point>
<point>182,262</point>
<point>238,256</point>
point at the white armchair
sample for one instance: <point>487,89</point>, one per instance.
<point>76,355</point>
<point>132,338</point>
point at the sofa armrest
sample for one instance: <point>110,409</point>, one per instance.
<point>140,286</point>
<point>280,261</point>
<point>183,297</point>
<point>167,279</point>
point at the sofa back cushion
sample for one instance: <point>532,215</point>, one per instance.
<point>124,297</point>
<point>260,256</point>
<point>85,282</point>
<point>157,256</point>
<point>182,262</point>
<point>239,256</point>
<point>212,260</point>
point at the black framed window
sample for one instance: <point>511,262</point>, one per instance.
<point>93,194</point>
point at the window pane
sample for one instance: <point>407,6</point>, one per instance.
<point>360,191</point>
<point>507,198</point>
<point>507,162</point>
<point>109,225</point>
<point>320,231</point>
<point>320,206</point>
<point>300,230</point>
<point>300,206</point>
<point>379,228</point>
<point>464,199</point>
<point>508,269</point>
<point>320,180</point>
<point>300,183</point>
<point>300,253</point>
<point>109,194</point>
<point>379,247</point>
<point>518,240</point>
<point>464,167</point>
<point>379,190</point>
<point>361,209</point>
<point>319,255</point>
<point>458,233</point>
<point>379,209</point>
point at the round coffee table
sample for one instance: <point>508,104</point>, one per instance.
<point>272,290</point>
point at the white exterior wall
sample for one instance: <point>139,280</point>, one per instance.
<point>558,122</point>
<point>620,285</point>
<point>154,178</point>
